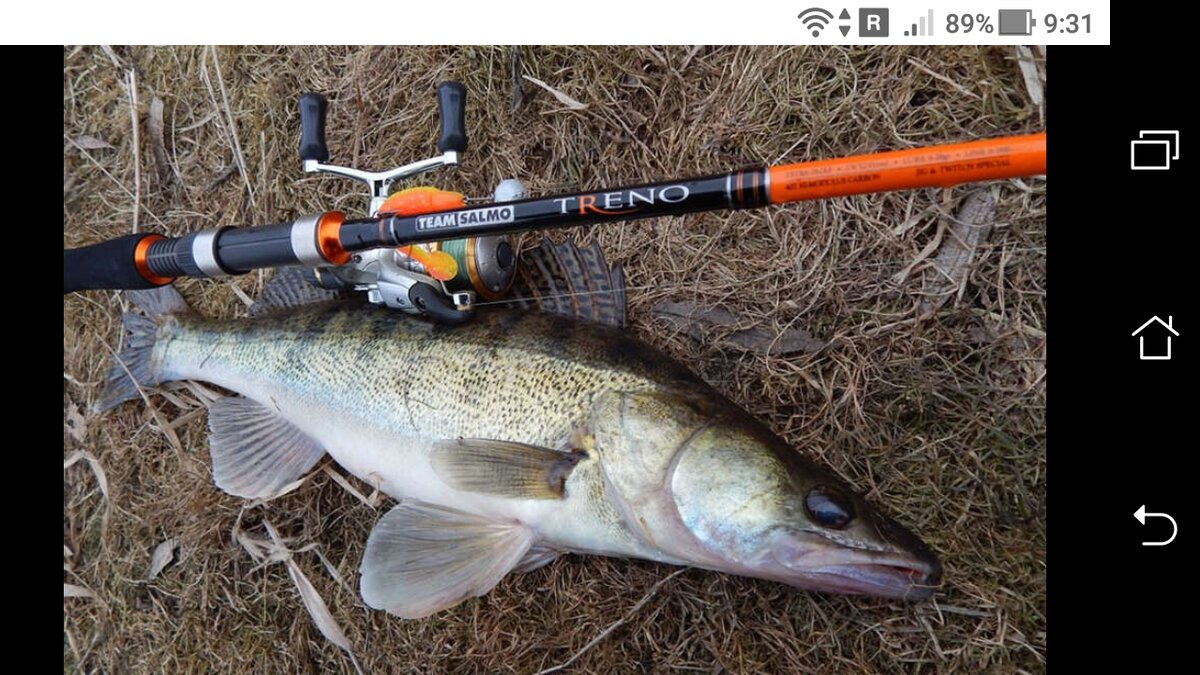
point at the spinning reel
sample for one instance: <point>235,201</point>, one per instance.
<point>460,270</point>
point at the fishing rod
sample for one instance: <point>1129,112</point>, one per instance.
<point>427,251</point>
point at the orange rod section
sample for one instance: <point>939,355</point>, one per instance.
<point>328,241</point>
<point>142,265</point>
<point>934,166</point>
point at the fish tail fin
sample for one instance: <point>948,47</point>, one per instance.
<point>134,367</point>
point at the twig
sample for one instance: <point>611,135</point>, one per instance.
<point>112,56</point>
<point>615,625</point>
<point>938,76</point>
<point>111,177</point>
<point>966,611</point>
<point>131,88</point>
<point>237,146</point>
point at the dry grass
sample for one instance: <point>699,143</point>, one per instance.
<point>939,417</point>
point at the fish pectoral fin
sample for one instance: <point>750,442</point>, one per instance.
<point>422,558</point>
<point>503,468</point>
<point>255,451</point>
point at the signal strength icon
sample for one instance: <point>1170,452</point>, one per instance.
<point>923,26</point>
<point>815,19</point>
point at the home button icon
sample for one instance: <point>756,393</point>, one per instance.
<point>1159,331</point>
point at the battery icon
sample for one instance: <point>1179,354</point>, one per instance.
<point>1016,22</point>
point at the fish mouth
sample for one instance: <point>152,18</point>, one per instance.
<point>900,575</point>
<point>902,582</point>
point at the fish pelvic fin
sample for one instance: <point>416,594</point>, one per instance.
<point>134,367</point>
<point>421,558</point>
<point>539,556</point>
<point>256,453</point>
<point>503,468</point>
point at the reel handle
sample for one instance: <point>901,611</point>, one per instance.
<point>312,127</point>
<point>452,106</point>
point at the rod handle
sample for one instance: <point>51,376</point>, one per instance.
<point>115,264</point>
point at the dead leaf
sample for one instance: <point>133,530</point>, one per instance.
<point>255,547</point>
<point>1033,80</point>
<point>518,91</point>
<point>720,326</point>
<point>338,478</point>
<point>562,98</point>
<point>313,601</point>
<point>158,147</point>
<point>947,275</point>
<point>332,570</point>
<point>932,246</point>
<point>92,143</point>
<point>289,488</point>
<point>73,591</point>
<point>163,554</point>
<point>202,392</point>
<point>1029,72</point>
<point>94,463</point>
<point>76,424</point>
<point>317,608</point>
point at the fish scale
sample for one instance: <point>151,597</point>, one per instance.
<point>477,381</point>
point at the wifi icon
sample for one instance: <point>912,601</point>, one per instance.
<point>815,19</point>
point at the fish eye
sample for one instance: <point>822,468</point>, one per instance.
<point>829,507</point>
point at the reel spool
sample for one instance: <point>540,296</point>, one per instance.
<point>485,265</point>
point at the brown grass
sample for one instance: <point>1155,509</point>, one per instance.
<point>939,418</point>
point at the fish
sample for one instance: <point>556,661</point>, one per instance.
<point>509,441</point>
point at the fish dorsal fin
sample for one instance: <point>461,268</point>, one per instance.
<point>287,288</point>
<point>606,285</point>
<point>565,279</point>
<point>503,468</point>
<point>256,452</point>
<point>540,284</point>
<point>422,558</point>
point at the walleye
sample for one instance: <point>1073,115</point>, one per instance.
<point>509,441</point>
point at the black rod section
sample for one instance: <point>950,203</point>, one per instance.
<point>249,248</point>
<point>740,189</point>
